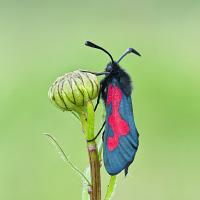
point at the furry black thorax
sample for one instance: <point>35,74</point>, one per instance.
<point>123,78</point>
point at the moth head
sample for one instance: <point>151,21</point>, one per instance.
<point>111,67</point>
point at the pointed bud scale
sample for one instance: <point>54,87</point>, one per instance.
<point>73,90</point>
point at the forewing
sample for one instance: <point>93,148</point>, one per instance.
<point>120,137</point>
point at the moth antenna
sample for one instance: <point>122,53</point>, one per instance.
<point>90,44</point>
<point>129,50</point>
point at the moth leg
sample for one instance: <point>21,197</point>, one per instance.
<point>96,73</point>
<point>102,93</point>
<point>103,135</point>
<point>98,132</point>
<point>99,96</point>
<point>126,171</point>
<point>98,99</point>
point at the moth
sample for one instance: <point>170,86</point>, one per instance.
<point>120,135</point>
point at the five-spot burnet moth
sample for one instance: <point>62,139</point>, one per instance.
<point>120,136</point>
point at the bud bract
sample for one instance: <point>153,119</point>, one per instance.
<point>73,90</point>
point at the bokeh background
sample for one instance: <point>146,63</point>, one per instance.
<point>41,40</point>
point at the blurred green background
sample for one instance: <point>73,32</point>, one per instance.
<point>41,40</point>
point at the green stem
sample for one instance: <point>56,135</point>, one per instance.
<point>111,187</point>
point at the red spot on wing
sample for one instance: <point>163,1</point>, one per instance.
<point>119,126</point>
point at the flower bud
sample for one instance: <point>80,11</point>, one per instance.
<point>73,90</point>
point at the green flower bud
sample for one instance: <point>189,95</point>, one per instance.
<point>73,90</point>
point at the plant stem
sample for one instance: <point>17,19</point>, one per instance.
<point>88,127</point>
<point>95,171</point>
